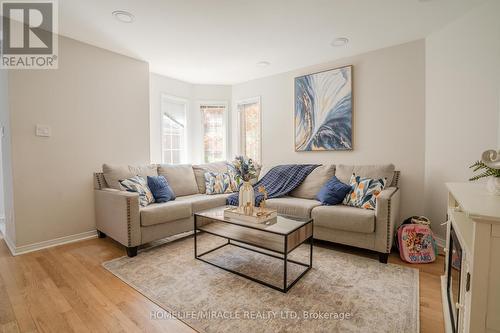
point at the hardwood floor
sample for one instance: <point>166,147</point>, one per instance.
<point>431,308</point>
<point>65,289</point>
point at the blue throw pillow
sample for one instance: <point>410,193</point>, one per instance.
<point>160,188</point>
<point>333,192</point>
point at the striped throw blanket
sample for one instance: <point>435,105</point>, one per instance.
<point>279,181</point>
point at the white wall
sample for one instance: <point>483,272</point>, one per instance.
<point>462,101</point>
<point>2,197</point>
<point>97,105</point>
<point>194,94</point>
<point>498,136</point>
<point>4,109</point>
<point>6,167</point>
<point>389,102</point>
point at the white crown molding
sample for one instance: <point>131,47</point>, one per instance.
<point>18,250</point>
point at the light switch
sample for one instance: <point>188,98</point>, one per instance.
<point>42,130</point>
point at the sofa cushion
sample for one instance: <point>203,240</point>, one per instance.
<point>160,189</point>
<point>114,173</point>
<point>201,202</point>
<point>313,182</point>
<point>235,180</point>
<point>345,218</point>
<point>333,192</point>
<point>200,169</point>
<point>218,183</point>
<point>180,177</point>
<point>293,206</point>
<point>344,172</point>
<point>144,170</point>
<point>364,192</point>
<point>165,212</point>
<point>139,185</point>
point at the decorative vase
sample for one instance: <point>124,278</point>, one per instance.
<point>493,185</point>
<point>246,198</point>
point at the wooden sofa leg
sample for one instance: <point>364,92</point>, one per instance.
<point>132,251</point>
<point>383,257</point>
<point>101,234</point>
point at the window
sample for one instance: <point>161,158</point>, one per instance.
<point>214,132</point>
<point>250,128</point>
<point>173,131</point>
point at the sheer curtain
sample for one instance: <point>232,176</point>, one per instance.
<point>250,129</point>
<point>214,132</point>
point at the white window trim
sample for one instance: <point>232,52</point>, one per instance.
<point>250,100</point>
<point>184,101</point>
<point>226,127</point>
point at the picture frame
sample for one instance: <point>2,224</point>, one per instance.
<point>323,110</point>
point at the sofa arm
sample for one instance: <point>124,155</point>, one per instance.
<point>117,215</point>
<point>386,216</point>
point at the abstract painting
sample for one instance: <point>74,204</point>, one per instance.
<point>323,110</point>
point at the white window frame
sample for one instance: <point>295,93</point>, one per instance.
<point>225,145</point>
<point>185,102</point>
<point>241,143</point>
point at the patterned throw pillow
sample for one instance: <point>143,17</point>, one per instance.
<point>139,185</point>
<point>218,183</point>
<point>235,179</point>
<point>364,192</point>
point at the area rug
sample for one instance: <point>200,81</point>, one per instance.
<point>341,293</point>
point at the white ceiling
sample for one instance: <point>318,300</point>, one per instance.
<point>220,41</point>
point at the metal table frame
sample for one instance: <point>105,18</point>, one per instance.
<point>279,255</point>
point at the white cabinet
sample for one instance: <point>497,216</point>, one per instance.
<point>473,224</point>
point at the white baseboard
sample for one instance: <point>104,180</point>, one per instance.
<point>440,242</point>
<point>10,245</point>
<point>17,250</point>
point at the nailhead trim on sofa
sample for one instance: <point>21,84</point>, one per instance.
<point>99,181</point>
<point>395,179</point>
<point>129,228</point>
<point>388,225</point>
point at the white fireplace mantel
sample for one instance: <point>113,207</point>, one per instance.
<point>475,217</point>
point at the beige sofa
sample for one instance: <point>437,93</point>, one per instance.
<point>119,215</point>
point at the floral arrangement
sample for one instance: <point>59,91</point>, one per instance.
<point>486,171</point>
<point>246,168</point>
